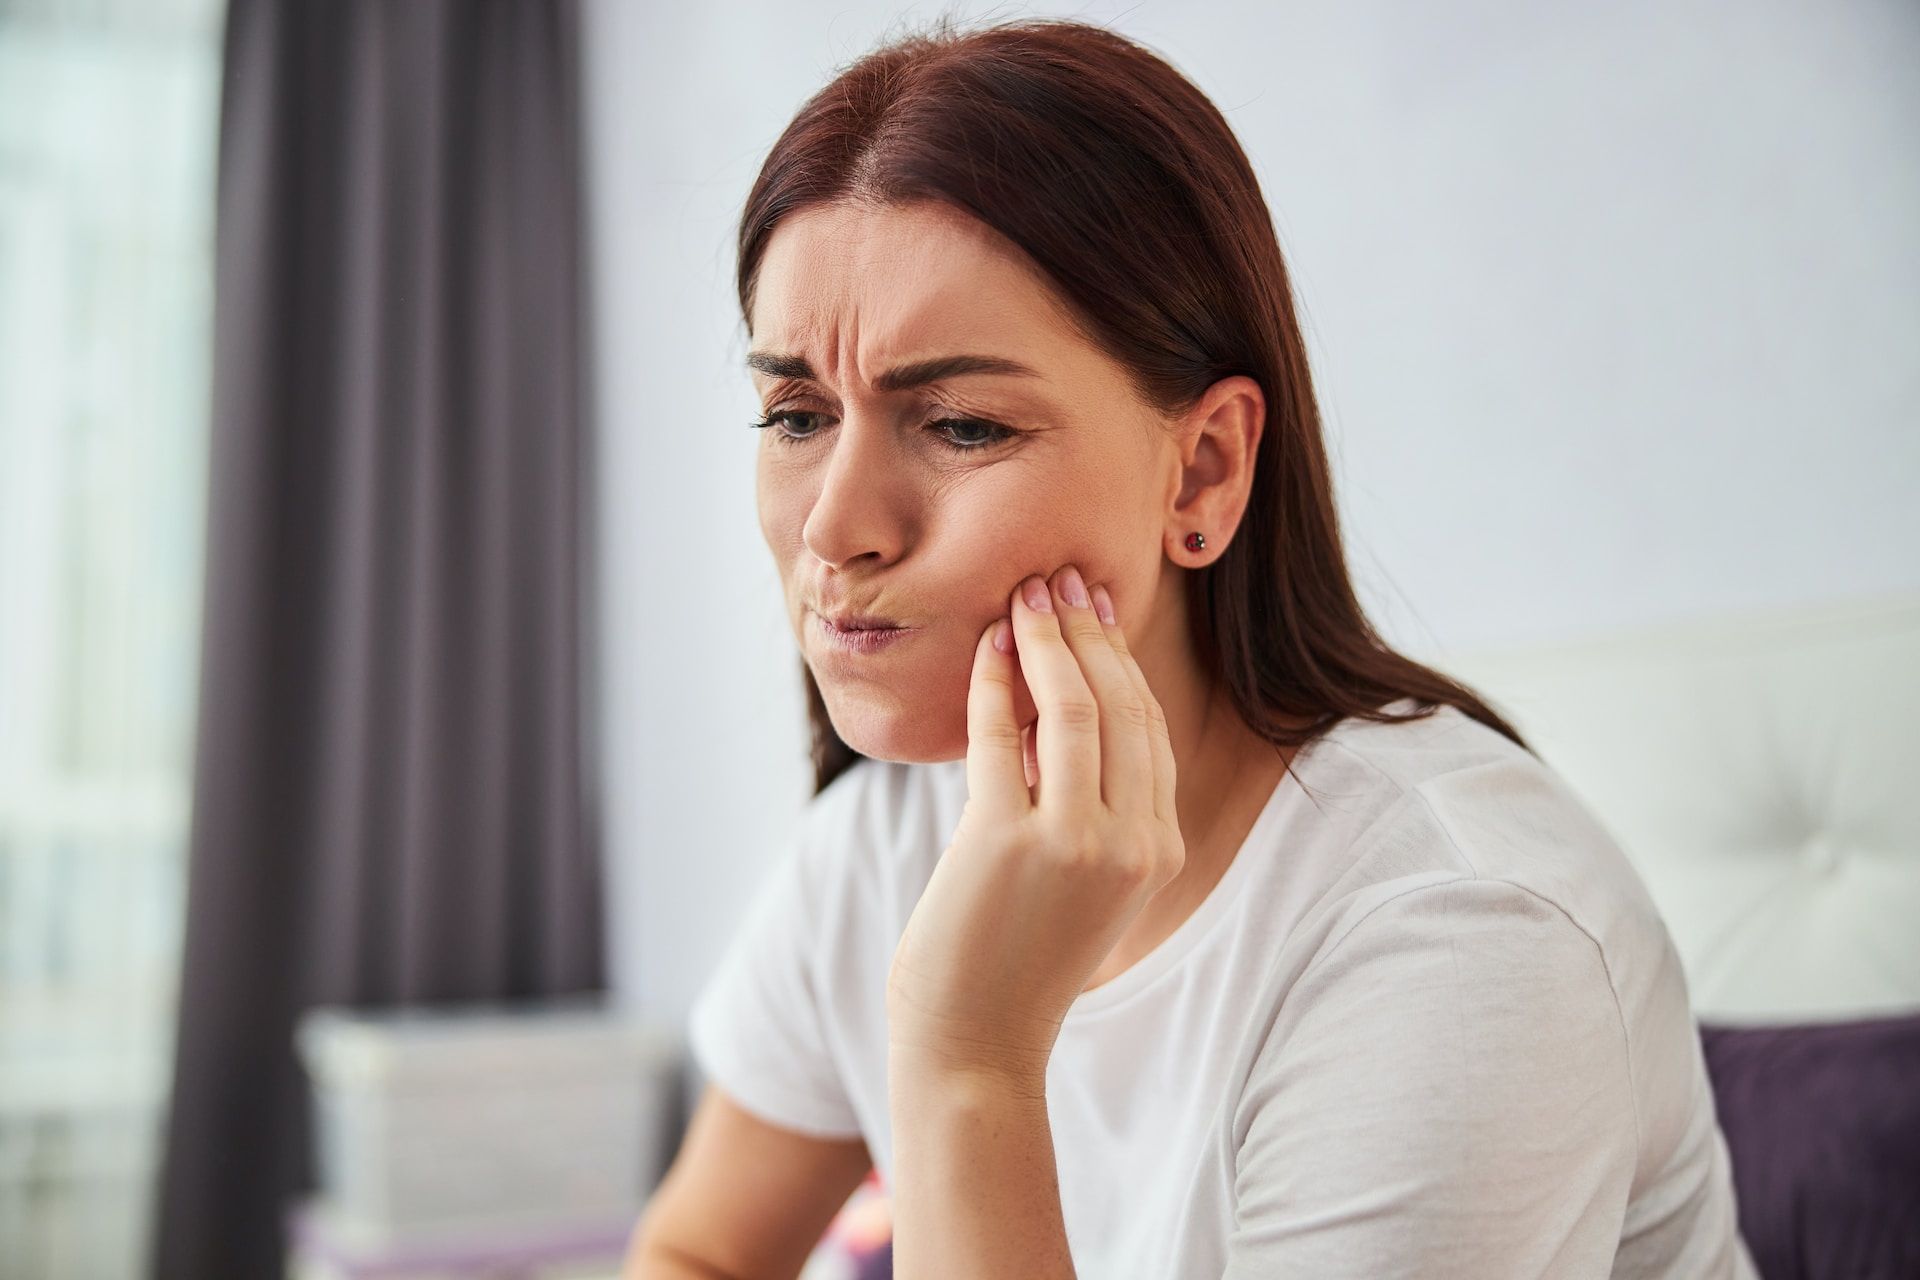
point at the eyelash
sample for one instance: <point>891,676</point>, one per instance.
<point>997,432</point>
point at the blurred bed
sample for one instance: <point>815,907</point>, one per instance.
<point>1762,772</point>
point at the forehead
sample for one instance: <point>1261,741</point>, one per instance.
<point>872,283</point>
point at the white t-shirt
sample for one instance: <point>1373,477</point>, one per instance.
<point>1429,1023</point>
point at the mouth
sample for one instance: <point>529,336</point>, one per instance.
<point>860,633</point>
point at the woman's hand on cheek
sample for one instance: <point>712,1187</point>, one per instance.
<point>1041,878</point>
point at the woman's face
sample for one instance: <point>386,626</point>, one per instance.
<point>875,502</point>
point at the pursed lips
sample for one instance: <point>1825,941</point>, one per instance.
<point>854,620</point>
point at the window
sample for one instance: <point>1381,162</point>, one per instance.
<point>108,133</point>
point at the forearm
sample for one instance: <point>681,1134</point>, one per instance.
<point>975,1190</point>
<point>649,1258</point>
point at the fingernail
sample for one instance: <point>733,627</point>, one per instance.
<point>1003,636</point>
<point>1072,590</point>
<point>1103,603</point>
<point>1039,599</point>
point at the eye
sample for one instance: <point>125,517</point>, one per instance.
<point>785,435</point>
<point>962,435</point>
<point>991,433</point>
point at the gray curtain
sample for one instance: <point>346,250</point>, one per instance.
<point>391,802</point>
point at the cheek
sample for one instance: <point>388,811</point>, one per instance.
<point>988,540</point>
<point>782,506</point>
<point>999,536</point>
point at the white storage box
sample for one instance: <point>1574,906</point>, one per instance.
<point>437,1122</point>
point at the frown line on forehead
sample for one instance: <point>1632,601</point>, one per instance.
<point>920,373</point>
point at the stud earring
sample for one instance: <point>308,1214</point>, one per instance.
<point>1196,541</point>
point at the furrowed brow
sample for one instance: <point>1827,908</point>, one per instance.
<point>906,377</point>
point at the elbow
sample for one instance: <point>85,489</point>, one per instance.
<point>651,1258</point>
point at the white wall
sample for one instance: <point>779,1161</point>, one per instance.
<point>1615,313</point>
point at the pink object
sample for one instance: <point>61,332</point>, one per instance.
<point>501,1255</point>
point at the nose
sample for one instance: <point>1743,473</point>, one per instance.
<point>858,509</point>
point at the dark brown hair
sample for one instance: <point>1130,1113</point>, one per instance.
<point>1126,186</point>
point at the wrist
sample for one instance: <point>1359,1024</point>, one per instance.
<point>978,1080</point>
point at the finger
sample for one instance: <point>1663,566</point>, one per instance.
<point>996,772</point>
<point>1126,755</point>
<point>1159,740</point>
<point>1067,733</point>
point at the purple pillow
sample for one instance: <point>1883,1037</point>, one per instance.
<point>1823,1125</point>
<point>877,1265</point>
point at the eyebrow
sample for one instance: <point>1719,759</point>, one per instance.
<point>917,374</point>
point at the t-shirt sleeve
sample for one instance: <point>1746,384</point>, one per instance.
<point>759,1027</point>
<point>1445,1093</point>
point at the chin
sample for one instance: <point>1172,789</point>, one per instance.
<point>905,730</point>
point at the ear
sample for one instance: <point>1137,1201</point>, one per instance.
<point>1217,441</point>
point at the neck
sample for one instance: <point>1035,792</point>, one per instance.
<point>1213,746</point>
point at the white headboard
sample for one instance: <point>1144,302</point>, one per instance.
<point>1763,773</point>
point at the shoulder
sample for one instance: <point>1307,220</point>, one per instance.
<point>1461,934</point>
<point>1451,799</point>
<point>1482,904</point>
<point>1473,870</point>
<point>1446,996</point>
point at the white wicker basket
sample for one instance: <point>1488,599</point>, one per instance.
<point>447,1121</point>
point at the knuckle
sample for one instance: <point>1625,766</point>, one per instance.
<point>1156,717</point>
<point>1142,866</point>
<point>1130,711</point>
<point>1084,630</point>
<point>1074,846</point>
<point>997,735</point>
<point>1087,858</point>
<point>1076,712</point>
<point>988,674</point>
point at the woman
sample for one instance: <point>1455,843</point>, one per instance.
<point>1152,918</point>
